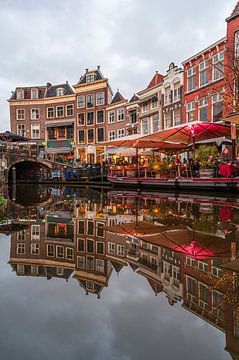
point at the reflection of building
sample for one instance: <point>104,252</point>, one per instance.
<point>74,242</point>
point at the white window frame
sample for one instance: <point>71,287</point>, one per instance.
<point>35,249</point>
<point>22,116</point>
<point>60,91</point>
<point>218,58</point>
<point>35,235</point>
<point>111,135</point>
<point>21,131</point>
<point>36,92</point>
<point>191,106</point>
<point>191,72</point>
<point>82,97</point>
<point>120,115</point>
<point>204,65</point>
<point>111,117</point>
<point>67,108</point>
<point>58,107</point>
<point>35,111</point>
<point>35,127</point>
<point>93,101</point>
<point>90,77</point>
<point>53,112</point>
<point>100,98</point>
<point>120,133</point>
<point>20,94</point>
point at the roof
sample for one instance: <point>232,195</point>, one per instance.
<point>234,13</point>
<point>117,98</point>
<point>27,92</point>
<point>97,72</point>
<point>134,98</point>
<point>157,79</point>
<point>52,90</point>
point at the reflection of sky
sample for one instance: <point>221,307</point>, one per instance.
<point>54,319</point>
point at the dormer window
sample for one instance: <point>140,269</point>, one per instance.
<point>90,77</point>
<point>20,94</point>
<point>60,92</point>
<point>34,93</point>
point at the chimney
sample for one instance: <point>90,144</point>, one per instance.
<point>156,71</point>
<point>48,85</point>
<point>66,82</point>
<point>98,67</point>
<point>86,70</point>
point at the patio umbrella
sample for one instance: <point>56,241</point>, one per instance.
<point>191,133</point>
<point>11,137</point>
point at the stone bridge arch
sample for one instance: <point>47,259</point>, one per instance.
<point>27,169</point>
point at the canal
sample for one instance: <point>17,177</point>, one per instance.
<point>90,274</point>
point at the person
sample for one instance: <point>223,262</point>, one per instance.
<point>225,157</point>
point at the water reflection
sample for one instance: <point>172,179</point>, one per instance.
<point>185,248</point>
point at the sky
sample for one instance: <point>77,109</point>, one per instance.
<point>55,40</point>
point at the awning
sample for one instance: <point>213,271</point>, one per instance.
<point>60,124</point>
<point>58,150</point>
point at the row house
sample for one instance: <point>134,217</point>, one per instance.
<point>172,97</point>
<point>116,117</point>
<point>132,116</point>
<point>93,94</point>
<point>150,106</point>
<point>203,84</point>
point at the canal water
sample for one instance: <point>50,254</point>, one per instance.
<point>91,274</point>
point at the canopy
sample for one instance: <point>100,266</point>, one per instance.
<point>11,137</point>
<point>191,133</point>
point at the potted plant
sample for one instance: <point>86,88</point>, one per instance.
<point>206,156</point>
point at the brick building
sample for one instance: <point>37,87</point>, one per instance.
<point>116,117</point>
<point>93,93</point>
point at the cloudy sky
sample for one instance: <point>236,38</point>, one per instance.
<point>55,40</point>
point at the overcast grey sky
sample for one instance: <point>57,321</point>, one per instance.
<point>55,40</point>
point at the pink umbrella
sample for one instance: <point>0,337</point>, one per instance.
<point>190,133</point>
<point>195,250</point>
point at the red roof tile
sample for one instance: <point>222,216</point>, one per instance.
<point>157,79</point>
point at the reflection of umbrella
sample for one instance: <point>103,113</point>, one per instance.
<point>190,133</point>
<point>195,250</point>
<point>225,213</point>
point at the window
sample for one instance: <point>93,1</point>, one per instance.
<point>90,77</point>
<point>34,93</point>
<point>218,66</point>
<point>20,94</point>
<point>100,230</point>
<point>191,79</point>
<point>120,250</point>
<point>90,246</point>
<point>91,136</point>
<point>69,110</point>
<point>50,250</point>
<point>50,112</point>
<point>35,114</point>
<point>177,117</point>
<point>155,123</point>
<point>203,293</point>
<point>191,285</point>
<point>90,228</point>
<point>154,102</point>
<point>191,112</point>
<point>190,261</point>
<point>81,245</point>
<point>111,135</point>
<point>21,129</point>
<point>203,109</point>
<point>100,117</point>
<point>100,265</point>
<point>81,262</point>
<point>35,131</point>
<point>167,96</point>
<point>52,134</point>
<point>60,252</point>
<point>133,117</point>
<point>203,72</point>
<point>60,111</point>
<point>100,247</point>
<point>20,249</point>
<point>120,133</point>
<point>111,248</point>
<point>90,101</point>
<point>21,235</point>
<point>34,270</point>
<point>111,117</point>
<point>69,254</point>
<point>176,92</point>
<point>59,271</point>
<point>81,101</point>
<point>20,269</point>
<point>101,134</point>
<point>217,272</point>
<point>120,114</point>
<point>100,98</point>
<point>90,118</point>
<point>35,249</point>
<point>81,227</point>
<point>90,263</point>
<point>145,126</point>
<point>81,134</point>
<point>168,119</point>
<point>60,92</point>
<point>236,45</point>
<point>203,266</point>
<point>217,107</point>
<point>20,114</point>
<point>81,118</point>
<point>35,232</point>
<point>61,133</point>
<point>145,106</point>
